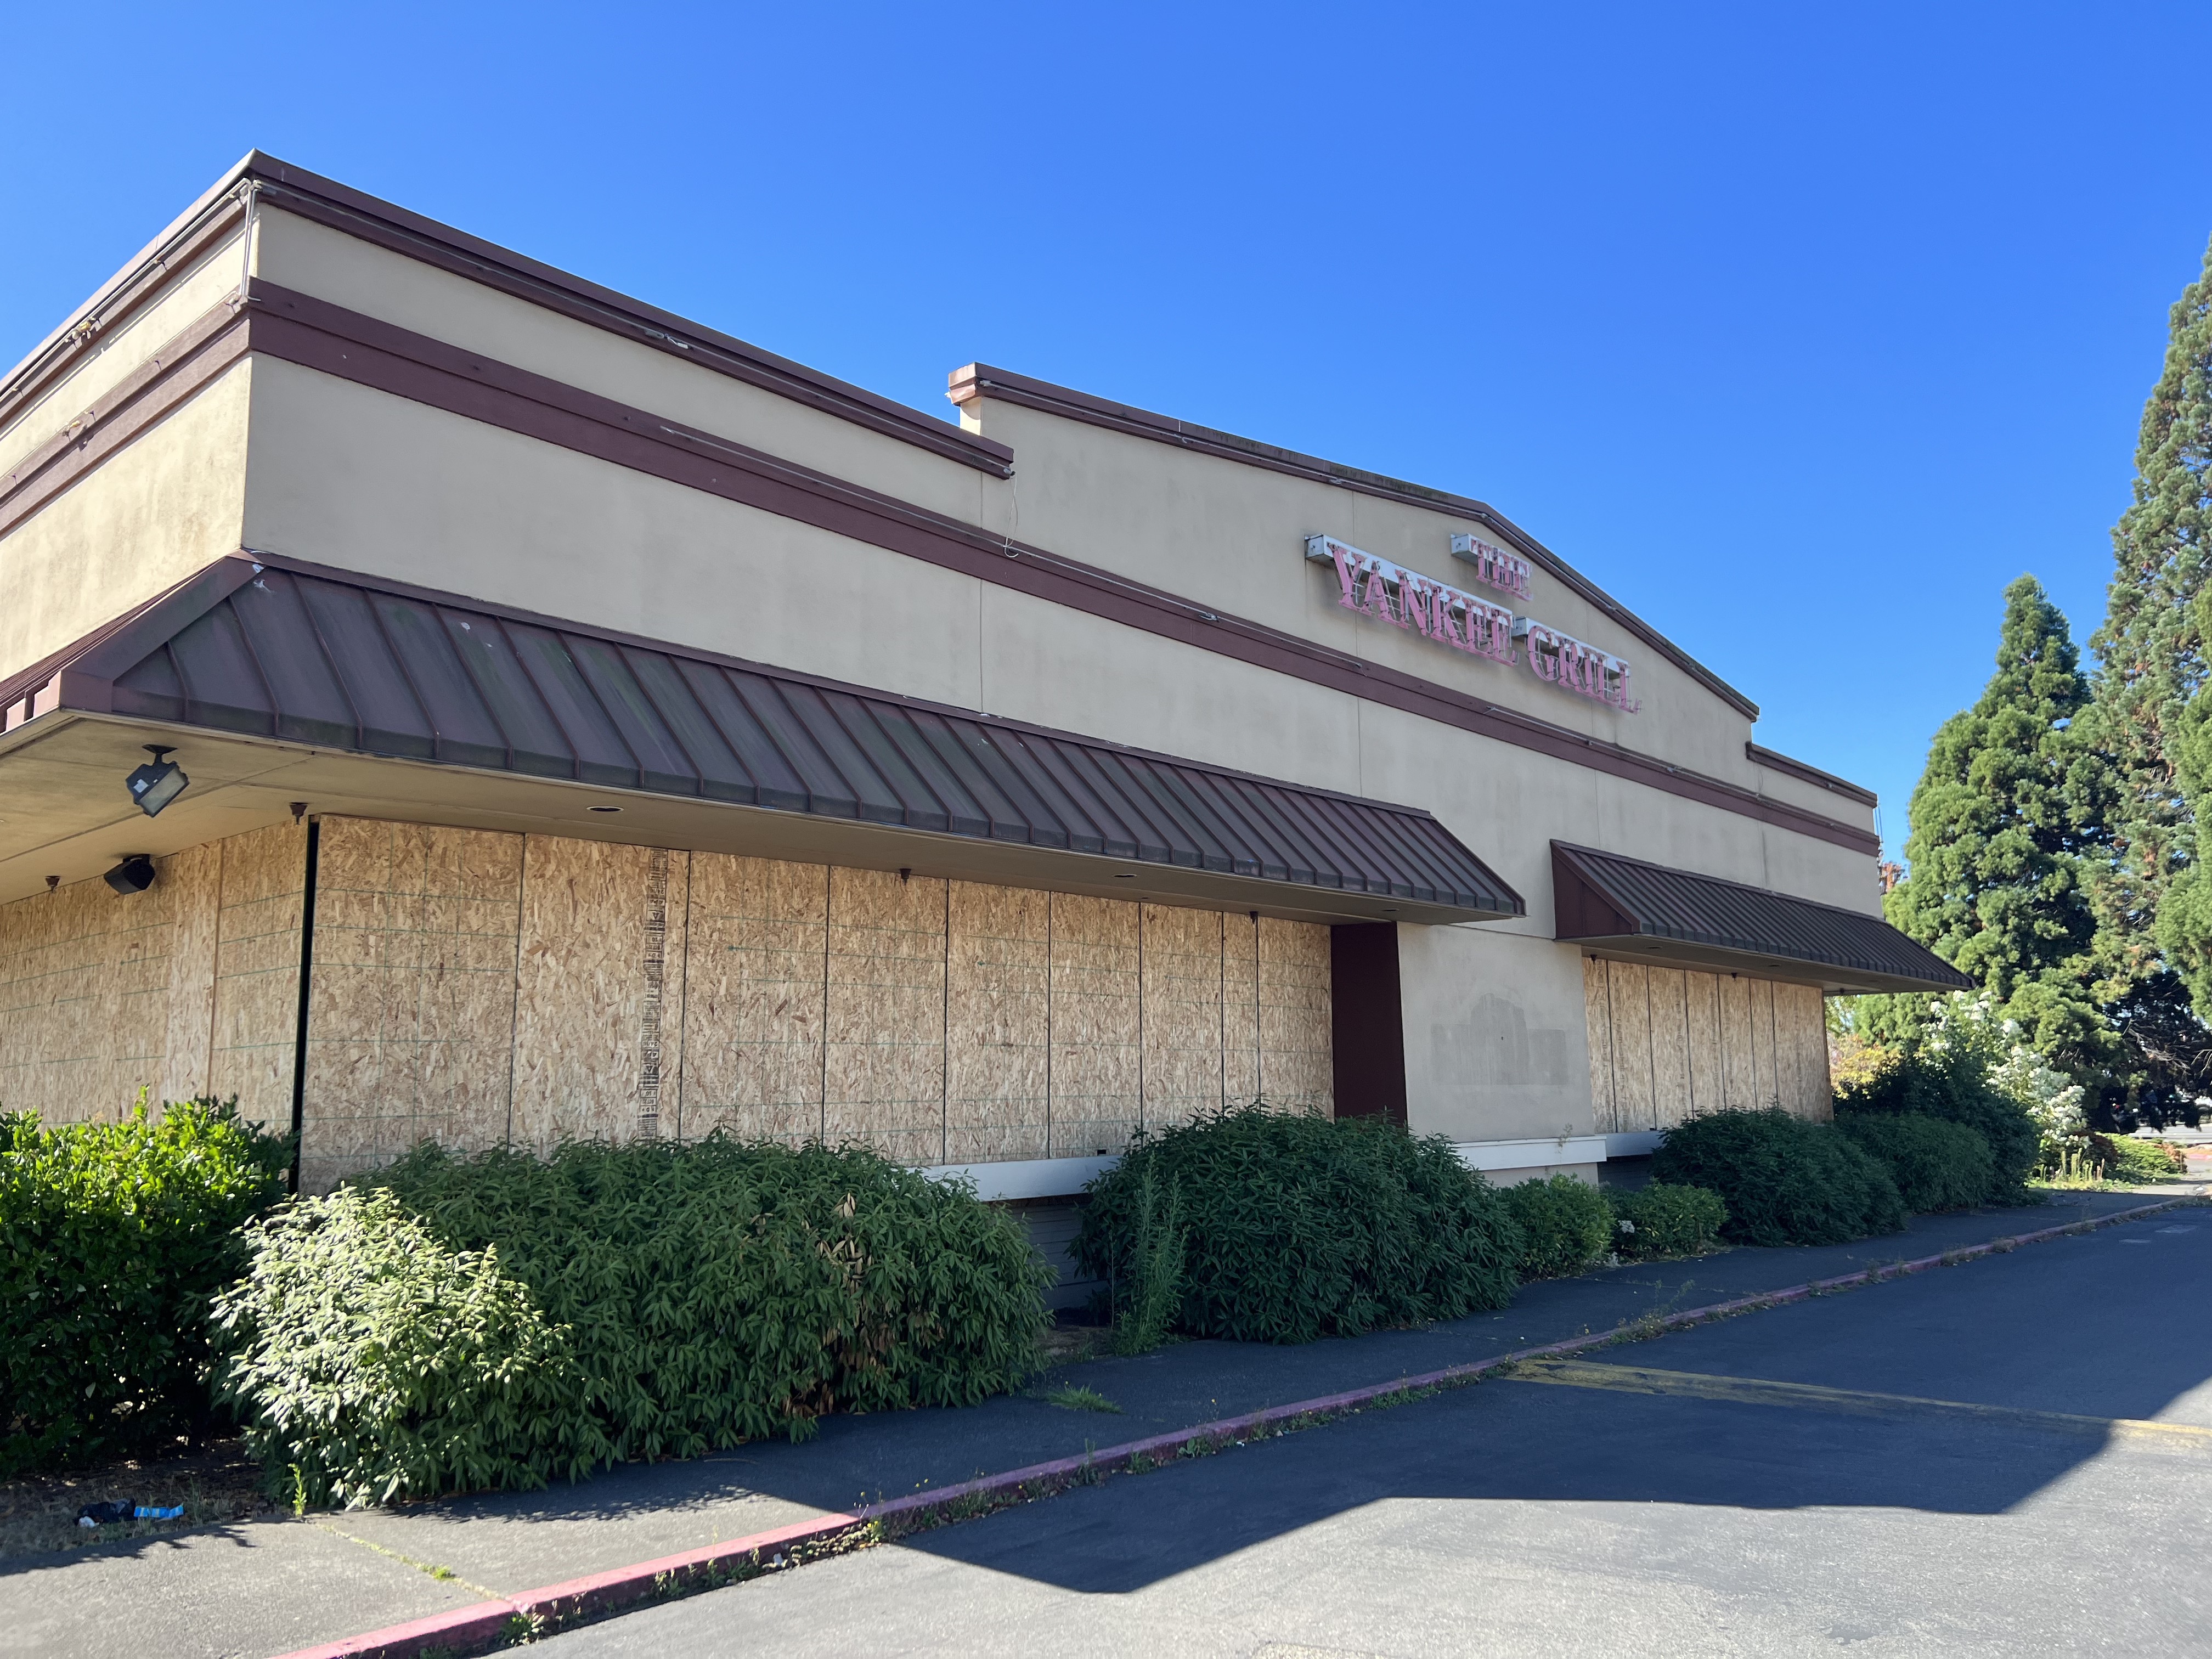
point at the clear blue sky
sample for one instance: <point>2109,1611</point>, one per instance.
<point>1801,329</point>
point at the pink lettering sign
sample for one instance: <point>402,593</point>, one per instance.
<point>1406,598</point>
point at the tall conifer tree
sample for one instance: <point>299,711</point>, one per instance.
<point>2152,645</point>
<point>2153,908</point>
<point>2007,813</point>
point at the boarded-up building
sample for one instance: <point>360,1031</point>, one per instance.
<point>596,726</point>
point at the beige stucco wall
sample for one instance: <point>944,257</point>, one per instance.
<point>371,483</point>
<point>1233,536</point>
<point>311,259</point>
<point>1496,1045</point>
<point>115,352</point>
<point>165,505</point>
<point>365,481</point>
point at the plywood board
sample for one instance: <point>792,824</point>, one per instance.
<point>1701,1015</point>
<point>257,976</point>
<point>998,1032</point>
<point>194,879</point>
<point>1739,1083</point>
<point>412,995</point>
<point>1097,1026</point>
<point>598,1014</point>
<point>1670,1046</point>
<point>59,986</point>
<point>1801,1050</point>
<point>1240,1008</point>
<point>884,1054</point>
<point>1181,965</point>
<point>1597,1019</point>
<point>1629,995</point>
<point>754,988</point>
<point>1296,1064</point>
<point>1762,1041</point>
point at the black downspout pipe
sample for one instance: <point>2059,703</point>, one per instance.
<point>306,969</point>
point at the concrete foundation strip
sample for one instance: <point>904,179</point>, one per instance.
<point>487,1625</point>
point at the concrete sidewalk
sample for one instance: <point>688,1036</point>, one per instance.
<point>266,1586</point>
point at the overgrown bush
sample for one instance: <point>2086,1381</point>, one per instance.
<point>112,1237</point>
<point>1784,1179</point>
<point>1146,1300</point>
<point>1565,1224</point>
<point>2122,1158</point>
<point>724,1290</point>
<point>1665,1220</point>
<point>1936,1165</point>
<point>1301,1227</point>
<point>1953,1084</point>
<point>370,1361</point>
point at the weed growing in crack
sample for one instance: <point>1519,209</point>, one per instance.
<point>1079,1399</point>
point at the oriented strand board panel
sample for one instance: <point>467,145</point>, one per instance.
<point>1701,1007</point>
<point>753,999</point>
<point>1629,994</point>
<point>598,996</point>
<point>1597,1017</point>
<point>1296,1067</point>
<point>1671,1046</point>
<point>1097,1026</point>
<point>194,878</point>
<point>257,971</point>
<point>1762,1042</point>
<point>412,994</point>
<point>883,1055</point>
<point>1240,1009</point>
<point>1739,1083</point>
<point>84,992</point>
<point>1801,1050</point>
<point>1181,964</point>
<point>998,1032</point>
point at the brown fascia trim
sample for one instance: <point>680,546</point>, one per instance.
<point>1812,775</point>
<point>981,380</point>
<point>313,333</point>
<point>174,252</point>
<point>325,201</point>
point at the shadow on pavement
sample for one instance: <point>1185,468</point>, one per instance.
<point>2102,1326</point>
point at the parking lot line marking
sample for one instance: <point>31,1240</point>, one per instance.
<point>1854,1402</point>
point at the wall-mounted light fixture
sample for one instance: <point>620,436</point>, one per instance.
<point>134,875</point>
<point>158,782</point>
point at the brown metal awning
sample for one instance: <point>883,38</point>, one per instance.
<point>1626,907</point>
<point>265,648</point>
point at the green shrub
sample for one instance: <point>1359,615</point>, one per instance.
<point>1565,1224</point>
<point>1953,1085</point>
<point>112,1237</point>
<point>723,1291</point>
<point>1301,1227</point>
<point>1145,1304</point>
<point>2122,1158</point>
<point>1664,1220</point>
<point>1784,1179</point>
<point>1936,1165</point>
<point>369,1361</point>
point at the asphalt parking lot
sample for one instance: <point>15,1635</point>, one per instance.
<point>1963,1462</point>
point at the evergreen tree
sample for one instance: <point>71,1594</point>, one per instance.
<point>2007,813</point>
<point>2152,895</point>
<point>2152,648</point>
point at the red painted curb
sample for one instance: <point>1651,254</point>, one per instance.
<point>473,1628</point>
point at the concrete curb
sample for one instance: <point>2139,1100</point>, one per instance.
<point>486,1624</point>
